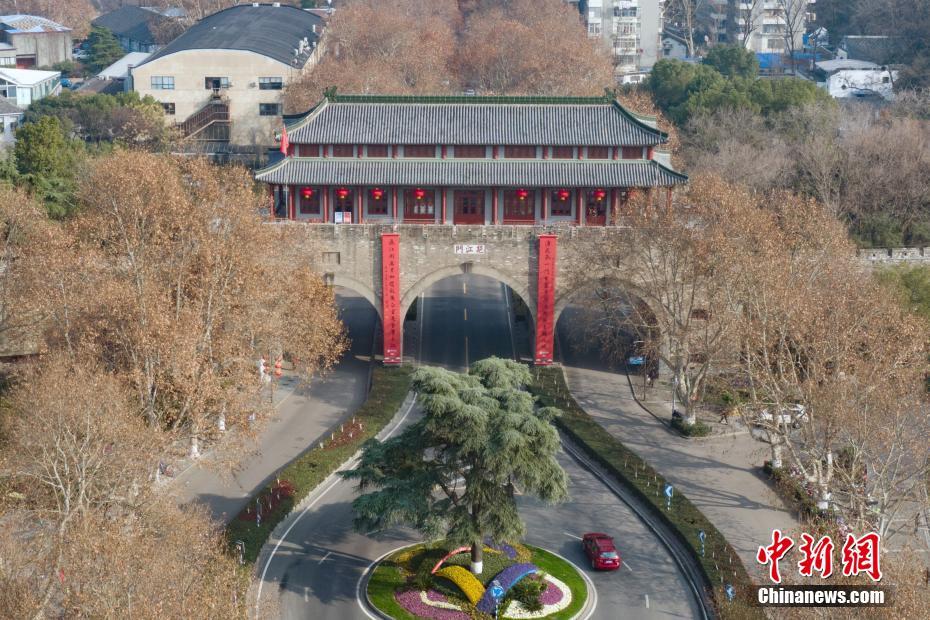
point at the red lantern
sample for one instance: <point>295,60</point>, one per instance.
<point>522,194</point>
<point>377,193</point>
<point>563,195</point>
<point>342,193</point>
<point>307,192</point>
<point>419,194</point>
<point>600,194</point>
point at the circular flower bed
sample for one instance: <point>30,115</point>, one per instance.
<point>426,582</point>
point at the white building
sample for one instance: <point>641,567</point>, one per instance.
<point>23,86</point>
<point>10,118</point>
<point>769,23</point>
<point>631,29</point>
<point>222,80</point>
<point>845,78</point>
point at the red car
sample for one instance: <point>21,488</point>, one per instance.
<point>601,551</point>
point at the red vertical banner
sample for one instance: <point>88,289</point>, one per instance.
<point>545,301</point>
<point>390,297</point>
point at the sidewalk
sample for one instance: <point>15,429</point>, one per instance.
<point>720,474</point>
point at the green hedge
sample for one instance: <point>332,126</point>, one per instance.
<point>698,429</point>
<point>388,389</point>
<point>720,562</point>
<point>791,491</point>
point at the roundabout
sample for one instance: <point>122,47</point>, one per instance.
<point>432,582</point>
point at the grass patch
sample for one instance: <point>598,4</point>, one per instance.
<point>389,387</point>
<point>698,429</point>
<point>409,568</point>
<point>720,562</point>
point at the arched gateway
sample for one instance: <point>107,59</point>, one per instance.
<point>406,191</point>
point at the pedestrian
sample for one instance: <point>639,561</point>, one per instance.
<point>725,415</point>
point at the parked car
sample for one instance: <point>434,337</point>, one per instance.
<point>792,416</point>
<point>601,551</point>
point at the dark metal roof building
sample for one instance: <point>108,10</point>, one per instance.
<point>272,31</point>
<point>132,23</point>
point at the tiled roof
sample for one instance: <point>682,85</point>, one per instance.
<point>132,22</point>
<point>471,173</point>
<point>472,120</point>
<point>16,24</point>
<point>272,31</point>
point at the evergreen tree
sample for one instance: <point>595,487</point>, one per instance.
<point>45,159</point>
<point>104,49</point>
<point>452,474</point>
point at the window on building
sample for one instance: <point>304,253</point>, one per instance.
<point>378,201</point>
<point>775,44</point>
<point>377,150</point>
<point>594,29</point>
<point>419,204</point>
<point>216,83</point>
<point>561,202</point>
<point>162,82</point>
<point>632,152</point>
<point>308,150</point>
<point>520,152</point>
<point>308,200</point>
<point>470,151</point>
<point>270,83</point>
<point>168,108</point>
<point>563,152</point>
<point>269,109</point>
<point>419,150</point>
<point>343,150</point>
<point>598,152</point>
<point>520,204</point>
<point>9,61</point>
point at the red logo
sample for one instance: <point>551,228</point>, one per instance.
<point>861,556</point>
<point>817,557</point>
<point>774,553</point>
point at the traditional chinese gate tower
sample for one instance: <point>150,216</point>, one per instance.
<point>466,161</point>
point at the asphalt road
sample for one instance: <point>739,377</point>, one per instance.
<point>315,570</point>
<point>303,413</point>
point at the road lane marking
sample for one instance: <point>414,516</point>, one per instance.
<point>464,287</point>
<point>572,535</point>
<point>647,600</point>
<point>628,566</point>
<point>261,582</point>
<point>328,553</point>
<point>466,313</point>
<point>306,594</point>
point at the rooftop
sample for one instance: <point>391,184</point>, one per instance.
<point>26,77</point>
<point>272,31</point>
<point>17,24</point>
<point>7,108</point>
<point>471,173</point>
<point>566,121</point>
<point>840,64</point>
<point>132,22</point>
<point>120,68</point>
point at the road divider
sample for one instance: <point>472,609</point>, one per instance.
<point>250,529</point>
<point>719,564</point>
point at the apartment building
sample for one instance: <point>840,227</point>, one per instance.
<point>763,26</point>
<point>631,29</point>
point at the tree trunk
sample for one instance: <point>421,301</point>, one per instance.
<point>776,452</point>
<point>195,448</point>
<point>477,558</point>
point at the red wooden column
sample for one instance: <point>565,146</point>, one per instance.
<point>545,301</point>
<point>394,191</point>
<point>291,208</point>
<point>360,204</point>
<point>579,207</point>
<point>547,195</point>
<point>494,193</point>
<point>390,298</point>
<point>325,191</point>
<point>442,199</point>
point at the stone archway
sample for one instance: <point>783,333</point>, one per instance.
<point>336,279</point>
<point>411,294</point>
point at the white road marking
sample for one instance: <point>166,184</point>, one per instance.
<point>572,535</point>
<point>261,582</point>
<point>328,553</point>
<point>628,567</point>
<point>466,313</point>
<point>647,600</point>
<point>464,287</point>
<point>306,594</point>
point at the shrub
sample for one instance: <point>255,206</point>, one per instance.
<point>698,429</point>
<point>791,491</point>
<point>528,591</point>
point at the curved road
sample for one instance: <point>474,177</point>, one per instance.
<point>315,570</point>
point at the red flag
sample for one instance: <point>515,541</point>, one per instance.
<point>285,143</point>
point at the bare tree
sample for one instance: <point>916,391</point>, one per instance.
<point>688,11</point>
<point>794,15</point>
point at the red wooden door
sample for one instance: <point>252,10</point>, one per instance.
<point>469,207</point>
